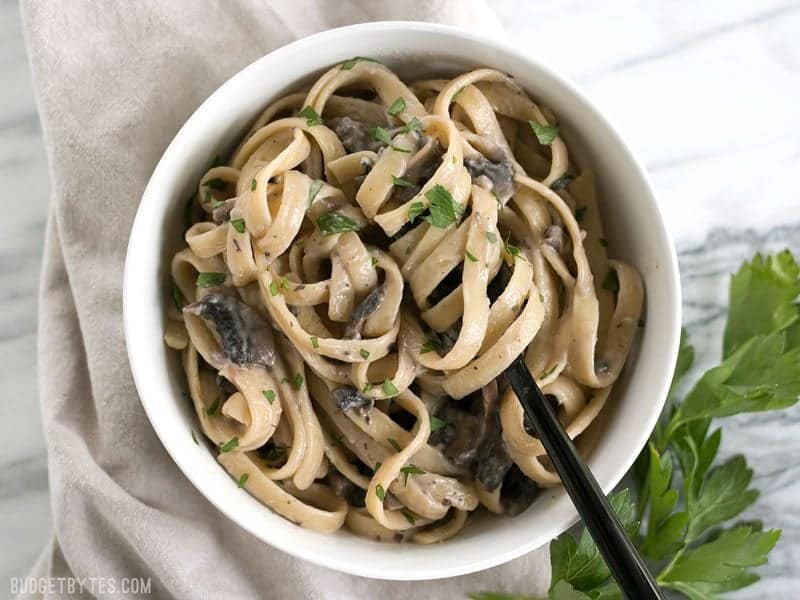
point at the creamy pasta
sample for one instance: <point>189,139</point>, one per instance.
<point>357,276</point>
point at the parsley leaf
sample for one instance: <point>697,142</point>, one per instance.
<point>723,495</point>
<point>431,346</point>
<point>578,562</point>
<point>207,280</point>
<point>310,115</point>
<point>331,223</point>
<point>763,374</point>
<point>444,209</point>
<point>437,424</point>
<point>413,125</point>
<point>238,225</point>
<point>313,190</point>
<point>380,492</point>
<point>410,470</point>
<point>231,444</point>
<point>725,557</point>
<point>396,107</point>
<point>269,395</point>
<point>415,210</point>
<point>763,294</point>
<point>400,182</point>
<point>684,362</point>
<point>351,62</point>
<point>389,388</point>
<point>544,133</point>
<point>665,531</point>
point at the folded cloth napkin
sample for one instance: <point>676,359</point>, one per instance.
<point>115,81</point>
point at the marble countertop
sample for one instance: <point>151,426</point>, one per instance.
<point>707,93</point>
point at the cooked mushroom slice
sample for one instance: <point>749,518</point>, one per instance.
<point>348,398</point>
<point>492,461</point>
<point>222,213</point>
<point>365,308</point>
<point>467,429</point>
<point>354,134</point>
<point>242,333</point>
<point>554,237</point>
<point>518,492</point>
<point>497,177</point>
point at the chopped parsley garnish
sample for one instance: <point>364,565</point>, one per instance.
<point>231,444</point>
<point>212,408</point>
<point>511,249</point>
<point>444,210</point>
<point>351,62</point>
<point>243,479</point>
<point>373,260</point>
<point>380,492</point>
<point>238,225</point>
<point>400,182</point>
<point>218,203</point>
<point>194,438</point>
<point>611,281</point>
<point>389,388</point>
<point>409,517</point>
<point>393,443</point>
<point>548,372</point>
<point>541,297</point>
<point>377,466</point>
<point>367,387</point>
<point>382,135</point>
<point>284,283</point>
<point>207,280</point>
<point>544,133</point>
<point>310,115</point>
<point>298,381</point>
<point>410,470</point>
<point>413,125</point>
<point>415,210</point>
<point>580,212</point>
<point>207,197</point>
<point>284,380</point>
<point>397,107</point>
<point>273,289</point>
<point>313,190</point>
<point>215,184</point>
<point>364,353</point>
<point>437,424</point>
<point>314,341</point>
<point>430,346</point>
<point>253,184</point>
<point>470,256</point>
<point>177,297</point>
<point>331,223</point>
<point>269,395</point>
<point>491,236</point>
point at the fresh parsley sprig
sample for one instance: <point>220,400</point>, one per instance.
<point>682,501</point>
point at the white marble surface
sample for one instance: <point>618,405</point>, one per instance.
<point>706,92</point>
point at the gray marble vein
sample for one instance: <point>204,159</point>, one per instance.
<point>705,92</point>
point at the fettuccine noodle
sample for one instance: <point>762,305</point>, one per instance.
<point>359,273</point>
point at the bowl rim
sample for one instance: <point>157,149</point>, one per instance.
<point>131,319</point>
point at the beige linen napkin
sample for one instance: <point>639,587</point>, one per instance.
<point>115,81</point>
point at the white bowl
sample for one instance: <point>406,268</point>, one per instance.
<point>635,230</point>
